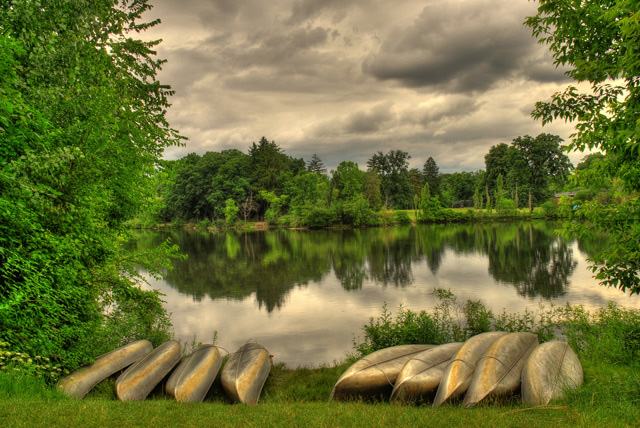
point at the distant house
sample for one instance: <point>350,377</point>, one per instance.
<point>570,194</point>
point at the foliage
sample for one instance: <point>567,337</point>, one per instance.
<point>82,124</point>
<point>431,174</point>
<point>598,42</point>
<point>372,189</point>
<point>610,334</point>
<point>28,365</point>
<point>529,165</point>
<point>315,165</point>
<point>231,211</point>
<point>401,217</point>
<point>393,169</point>
<point>358,213</point>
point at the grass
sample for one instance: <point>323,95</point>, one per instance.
<point>607,342</point>
<point>298,398</point>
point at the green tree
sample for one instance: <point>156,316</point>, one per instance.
<point>431,174</point>
<point>548,167</point>
<point>316,165</point>
<point>417,181</point>
<point>230,211</point>
<point>372,189</point>
<point>348,179</point>
<point>82,124</point>
<point>599,43</point>
<point>393,169</point>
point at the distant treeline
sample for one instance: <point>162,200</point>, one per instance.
<point>267,184</point>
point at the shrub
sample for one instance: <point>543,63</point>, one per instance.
<point>401,217</point>
<point>610,334</point>
<point>549,209</point>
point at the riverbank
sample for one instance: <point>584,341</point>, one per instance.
<point>607,342</point>
<point>384,219</point>
<point>298,398</point>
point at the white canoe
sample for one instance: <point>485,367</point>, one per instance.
<point>374,375</point>
<point>498,371</point>
<point>457,375</point>
<point>139,380</point>
<point>551,368</point>
<point>421,375</point>
<point>81,381</point>
<point>244,374</point>
<point>193,377</point>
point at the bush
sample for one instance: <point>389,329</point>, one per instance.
<point>549,209</point>
<point>317,216</point>
<point>610,334</point>
<point>401,217</point>
<point>357,212</point>
<point>506,208</point>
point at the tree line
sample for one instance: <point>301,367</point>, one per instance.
<point>266,183</point>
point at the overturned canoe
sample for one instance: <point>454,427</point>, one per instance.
<point>458,373</point>
<point>139,380</point>
<point>244,375</point>
<point>374,375</point>
<point>193,377</point>
<point>78,383</point>
<point>551,368</point>
<point>498,371</point>
<point>421,375</point>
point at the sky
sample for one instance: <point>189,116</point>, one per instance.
<point>344,79</point>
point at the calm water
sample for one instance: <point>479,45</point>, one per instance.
<point>306,294</point>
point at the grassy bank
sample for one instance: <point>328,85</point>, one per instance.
<point>293,398</point>
<point>607,342</point>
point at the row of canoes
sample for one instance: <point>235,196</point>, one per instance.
<point>242,377</point>
<point>489,364</point>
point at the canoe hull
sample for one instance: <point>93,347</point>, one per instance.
<point>421,375</point>
<point>498,371</point>
<point>551,368</point>
<point>458,373</point>
<point>140,379</point>
<point>374,375</point>
<point>193,377</point>
<point>81,381</point>
<point>244,374</point>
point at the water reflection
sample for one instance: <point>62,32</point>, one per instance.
<point>306,294</point>
<point>234,265</point>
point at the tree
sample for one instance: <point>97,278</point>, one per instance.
<point>316,165</point>
<point>82,123</point>
<point>431,174</point>
<point>372,189</point>
<point>598,42</point>
<point>548,167</point>
<point>417,182</point>
<point>393,169</point>
<point>348,179</point>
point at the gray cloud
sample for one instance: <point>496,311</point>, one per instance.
<point>346,78</point>
<point>459,47</point>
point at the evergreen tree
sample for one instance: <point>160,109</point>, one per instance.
<point>316,165</point>
<point>431,174</point>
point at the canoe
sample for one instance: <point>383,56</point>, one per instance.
<point>551,368</point>
<point>244,375</point>
<point>498,372</point>
<point>81,381</point>
<point>374,375</point>
<point>421,375</point>
<point>139,380</point>
<point>457,375</point>
<point>193,377</point>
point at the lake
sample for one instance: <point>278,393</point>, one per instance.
<point>305,294</point>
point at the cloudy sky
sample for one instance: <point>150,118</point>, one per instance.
<point>346,78</point>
